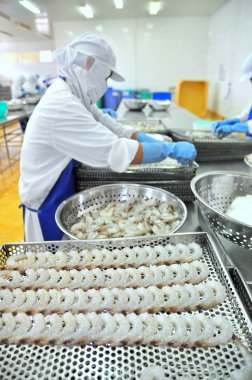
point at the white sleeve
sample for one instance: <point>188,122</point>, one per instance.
<point>78,135</point>
<point>244,115</point>
<point>119,129</point>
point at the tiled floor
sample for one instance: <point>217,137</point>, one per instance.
<point>11,224</point>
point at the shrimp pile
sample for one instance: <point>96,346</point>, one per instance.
<point>117,329</point>
<point>132,218</point>
<point>111,296</point>
<point>147,126</point>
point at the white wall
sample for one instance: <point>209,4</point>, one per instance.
<point>230,36</point>
<point>153,53</point>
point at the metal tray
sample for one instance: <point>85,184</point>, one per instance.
<point>181,189</point>
<point>137,172</point>
<point>32,362</point>
<point>152,125</point>
<point>214,149</point>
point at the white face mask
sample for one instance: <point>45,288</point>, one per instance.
<point>96,81</point>
<point>96,93</point>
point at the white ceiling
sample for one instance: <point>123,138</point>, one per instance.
<point>67,10</point>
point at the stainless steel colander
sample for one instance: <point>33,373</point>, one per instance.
<point>214,192</point>
<point>98,197</point>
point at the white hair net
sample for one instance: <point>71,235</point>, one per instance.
<point>86,63</point>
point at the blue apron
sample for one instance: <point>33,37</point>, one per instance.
<point>63,188</point>
<point>249,118</point>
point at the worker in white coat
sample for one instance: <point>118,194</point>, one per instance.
<point>66,125</point>
<point>17,90</point>
<point>243,122</point>
<point>30,85</point>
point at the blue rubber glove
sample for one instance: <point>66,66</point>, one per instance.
<point>219,123</point>
<point>224,130</point>
<point>110,112</point>
<point>142,137</point>
<point>183,152</point>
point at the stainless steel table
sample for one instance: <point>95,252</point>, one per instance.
<point>232,254</point>
<point>12,137</point>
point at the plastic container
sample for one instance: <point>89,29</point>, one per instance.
<point>129,94</point>
<point>202,125</point>
<point>162,95</point>
<point>3,108</point>
<point>99,103</point>
<point>112,98</point>
<point>144,95</point>
<point>193,95</point>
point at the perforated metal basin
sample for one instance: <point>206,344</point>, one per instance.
<point>100,196</point>
<point>215,191</point>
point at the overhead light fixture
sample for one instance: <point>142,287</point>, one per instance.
<point>42,25</point>
<point>154,7</point>
<point>6,33</point>
<point>87,11</point>
<point>30,6</point>
<point>118,4</point>
<point>4,15</point>
<point>23,25</point>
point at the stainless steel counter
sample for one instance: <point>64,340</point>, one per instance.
<point>232,254</point>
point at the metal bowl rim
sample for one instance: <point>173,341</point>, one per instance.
<point>198,197</point>
<point>118,185</point>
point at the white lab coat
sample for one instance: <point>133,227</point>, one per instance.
<point>244,117</point>
<point>60,129</point>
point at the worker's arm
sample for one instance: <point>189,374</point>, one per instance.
<point>118,129</point>
<point>78,135</point>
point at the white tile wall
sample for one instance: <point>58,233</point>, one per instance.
<point>175,48</point>
<point>230,41</point>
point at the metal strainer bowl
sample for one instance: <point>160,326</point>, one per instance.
<point>98,197</point>
<point>214,192</point>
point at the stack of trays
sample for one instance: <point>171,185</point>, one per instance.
<point>173,179</point>
<point>211,148</point>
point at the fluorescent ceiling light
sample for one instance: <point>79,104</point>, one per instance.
<point>87,11</point>
<point>30,6</point>
<point>154,7</point>
<point>6,33</point>
<point>118,4</point>
<point>23,25</point>
<point>4,15</point>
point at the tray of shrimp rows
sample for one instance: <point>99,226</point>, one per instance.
<point>161,307</point>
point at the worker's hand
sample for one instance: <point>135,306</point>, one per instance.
<point>220,123</point>
<point>225,130</point>
<point>143,137</point>
<point>110,112</point>
<point>183,152</point>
